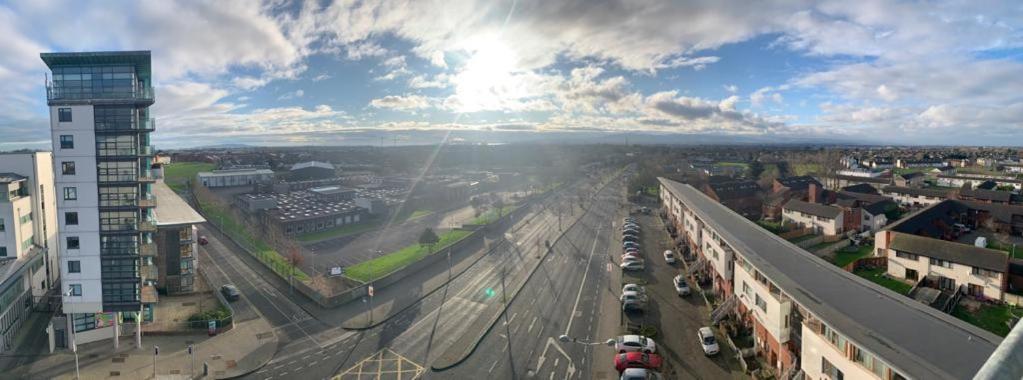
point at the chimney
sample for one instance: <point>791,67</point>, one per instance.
<point>812,193</point>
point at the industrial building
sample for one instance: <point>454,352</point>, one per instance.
<point>235,177</point>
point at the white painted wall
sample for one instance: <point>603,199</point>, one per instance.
<point>823,225</point>
<point>962,274</point>
<point>774,319</point>
<point>815,347</point>
<point>38,167</point>
<point>716,252</point>
<point>84,155</point>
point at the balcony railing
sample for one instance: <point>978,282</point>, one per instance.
<point>139,94</point>
<point>147,249</point>
<point>149,272</point>
<point>147,176</point>
<point>147,226</point>
<point>146,151</point>
<point>147,202</point>
<point>147,125</point>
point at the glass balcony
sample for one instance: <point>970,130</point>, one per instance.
<point>147,125</point>
<point>146,151</point>
<point>56,94</point>
<point>147,176</point>
<point>147,201</point>
<point>147,226</point>
<point>149,272</point>
<point>147,249</point>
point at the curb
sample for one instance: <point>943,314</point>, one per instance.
<point>277,347</point>
<point>493,320</point>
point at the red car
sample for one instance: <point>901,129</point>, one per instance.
<point>203,241</point>
<point>637,360</point>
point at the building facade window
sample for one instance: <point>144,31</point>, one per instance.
<point>907,256</point>
<point>121,292</point>
<point>71,218</point>
<point>984,272</point>
<point>76,290</point>
<point>72,242</point>
<point>118,196</point>
<point>27,218</point>
<point>84,322</point>
<point>3,251</point>
<point>70,193</point>
<point>2,228</point>
<point>120,268</point>
<point>941,263</point>
<point>67,142</point>
<point>74,266</point>
<point>64,115</point>
<point>761,303</point>
<point>118,245</point>
<point>118,221</point>
<point>67,168</point>
<point>829,369</point>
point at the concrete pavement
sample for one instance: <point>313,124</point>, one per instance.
<point>243,349</point>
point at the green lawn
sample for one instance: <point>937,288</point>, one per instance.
<point>370,270</point>
<point>266,254</point>
<point>877,276</point>
<point>992,318</point>
<point>177,173</point>
<point>652,190</point>
<point>849,254</point>
<point>491,215</point>
<point>419,214</point>
<point>805,168</point>
<point>815,247</point>
<point>909,170</point>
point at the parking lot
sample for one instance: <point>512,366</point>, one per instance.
<point>673,321</point>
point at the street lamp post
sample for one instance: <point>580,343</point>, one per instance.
<point>74,343</point>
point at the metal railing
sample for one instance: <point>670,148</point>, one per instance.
<point>141,93</point>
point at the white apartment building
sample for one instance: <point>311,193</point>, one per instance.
<point>100,124</point>
<point>23,276</point>
<point>38,168</point>
<point>815,320</point>
<point>908,196</point>
<point>822,219</point>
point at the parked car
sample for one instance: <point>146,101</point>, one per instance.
<point>633,288</point>
<point>630,244</point>
<point>627,259</point>
<point>230,292</point>
<point>632,238</point>
<point>632,265</point>
<point>707,341</point>
<point>637,360</point>
<point>632,305</point>
<point>640,374</point>
<point>681,286</point>
<point>631,254</point>
<point>632,296</point>
<point>635,343</point>
<point>630,232</point>
<point>202,240</point>
<point>669,257</point>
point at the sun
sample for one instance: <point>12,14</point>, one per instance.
<point>487,80</point>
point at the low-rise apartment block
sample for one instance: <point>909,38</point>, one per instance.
<point>822,219</point>
<point>934,244</point>
<point>914,197</point>
<point>813,319</point>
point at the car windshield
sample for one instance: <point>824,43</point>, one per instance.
<point>708,340</point>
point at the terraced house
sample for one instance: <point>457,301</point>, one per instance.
<point>810,317</point>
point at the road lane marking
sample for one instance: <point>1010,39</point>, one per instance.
<point>575,307</point>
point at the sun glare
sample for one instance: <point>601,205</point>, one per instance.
<point>487,80</point>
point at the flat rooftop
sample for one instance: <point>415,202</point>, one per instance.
<point>916,340</point>
<point>171,209</point>
<point>234,172</point>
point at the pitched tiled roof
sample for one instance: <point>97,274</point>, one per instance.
<point>799,182</point>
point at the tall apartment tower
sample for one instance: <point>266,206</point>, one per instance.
<point>100,125</point>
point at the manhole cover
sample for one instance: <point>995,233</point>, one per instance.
<point>115,373</point>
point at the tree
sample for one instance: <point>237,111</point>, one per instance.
<point>499,205</point>
<point>756,168</point>
<point>428,238</point>
<point>477,205</point>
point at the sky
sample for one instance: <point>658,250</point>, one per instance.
<point>334,72</point>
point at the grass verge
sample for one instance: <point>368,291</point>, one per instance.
<point>370,270</point>
<point>267,255</point>
<point>492,215</point>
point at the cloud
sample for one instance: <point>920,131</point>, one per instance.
<point>700,114</point>
<point>441,80</point>
<point>697,63</point>
<point>292,95</point>
<point>401,102</point>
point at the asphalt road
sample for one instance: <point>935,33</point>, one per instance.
<point>429,326</point>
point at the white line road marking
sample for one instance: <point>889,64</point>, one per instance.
<point>581,283</point>
<point>492,367</point>
<point>531,325</point>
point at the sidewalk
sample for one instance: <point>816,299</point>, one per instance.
<point>244,349</point>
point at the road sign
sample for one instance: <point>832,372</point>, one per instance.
<point>369,290</point>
